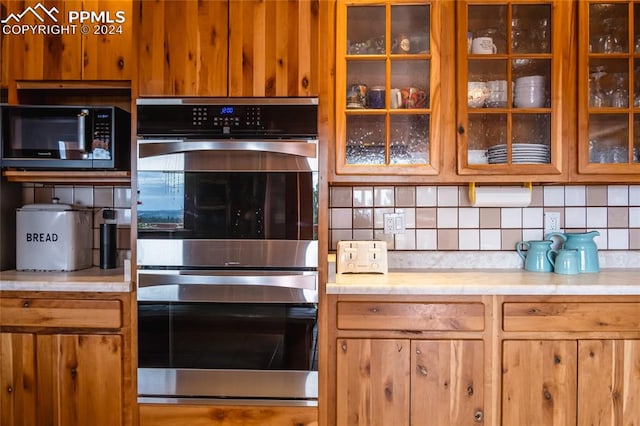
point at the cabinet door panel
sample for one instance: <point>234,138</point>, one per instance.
<point>539,382</point>
<point>182,48</point>
<point>81,379</point>
<point>107,56</point>
<point>447,382</point>
<point>17,379</point>
<point>373,382</point>
<point>44,57</point>
<point>609,385</point>
<point>272,48</point>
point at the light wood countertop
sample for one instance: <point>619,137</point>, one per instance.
<point>615,281</point>
<point>90,280</point>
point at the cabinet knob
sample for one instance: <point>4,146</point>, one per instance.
<point>461,130</point>
<point>25,304</point>
<point>120,63</point>
<point>478,416</point>
<point>9,389</point>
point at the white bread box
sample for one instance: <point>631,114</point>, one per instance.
<point>53,237</point>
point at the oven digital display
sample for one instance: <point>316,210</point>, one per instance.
<point>226,110</point>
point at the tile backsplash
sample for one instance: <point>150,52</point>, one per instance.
<point>441,217</point>
<point>97,198</point>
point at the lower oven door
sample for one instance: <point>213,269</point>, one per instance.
<point>233,337</point>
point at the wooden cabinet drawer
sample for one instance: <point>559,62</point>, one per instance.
<point>201,415</point>
<point>411,316</point>
<point>592,316</point>
<point>25,312</point>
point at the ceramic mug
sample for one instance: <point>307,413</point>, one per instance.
<point>396,99</point>
<point>413,97</point>
<point>564,261</point>
<point>483,46</point>
<point>376,97</point>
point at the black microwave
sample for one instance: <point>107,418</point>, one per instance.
<point>65,137</point>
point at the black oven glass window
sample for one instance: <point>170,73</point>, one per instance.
<point>227,336</point>
<point>227,205</point>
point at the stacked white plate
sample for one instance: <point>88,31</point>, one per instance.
<point>521,153</point>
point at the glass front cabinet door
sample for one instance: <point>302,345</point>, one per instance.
<point>387,69</point>
<point>609,82</point>
<point>510,78</point>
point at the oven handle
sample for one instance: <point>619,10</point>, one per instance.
<point>304,281</point>
<point>298,147</point>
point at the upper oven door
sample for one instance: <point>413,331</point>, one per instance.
<point>258,199</point>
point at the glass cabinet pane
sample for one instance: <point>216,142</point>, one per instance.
<point>386,97</point>
<point>366,30</point>
<point>366,139</point>
<point>610,75</point>
<point>509,85</point>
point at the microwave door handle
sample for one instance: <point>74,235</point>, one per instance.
<point>82,128</point>
<point>298,147</point>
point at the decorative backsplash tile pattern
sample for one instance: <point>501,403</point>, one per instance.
<point>441,217</point>
<point>96,198</point>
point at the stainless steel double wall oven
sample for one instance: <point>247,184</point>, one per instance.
<point>227,250</point>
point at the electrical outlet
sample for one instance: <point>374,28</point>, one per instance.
<point>551,222</point>
<point>394,223</point>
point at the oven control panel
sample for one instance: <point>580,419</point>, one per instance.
<point>245,117</point>
<point>227,117</point>
<point>361,257</point>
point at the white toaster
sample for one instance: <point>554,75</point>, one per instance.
<point>361,257</point>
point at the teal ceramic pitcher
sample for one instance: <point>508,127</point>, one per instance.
<point>584,244</point>
<point>535,259</point>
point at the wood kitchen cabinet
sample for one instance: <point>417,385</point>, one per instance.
<point>514,103</point>
<point>494,360</point>
<point>608,147</point>
<point>228,48</point>
<point>388,117</point>
<point>571,362</point>
<point>103,53</point>
<point>65,359</point>
<point>408,363</point>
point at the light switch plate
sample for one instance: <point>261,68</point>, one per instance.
<point>361,257</point>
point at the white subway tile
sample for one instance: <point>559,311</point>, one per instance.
<point>383,196</point>
<point>602,239</point>
<point>553,196</point>
<point>340,235</point>
<point>363,196</point>
<point>575,217</point>
<point>83,196</point>
<point>575,195</point>
<point>426,196</point>
<point>618,195</point>
<point>511,217</point>
<point>532,234</point>
<point>447,217</point>
<point>64,194</point>
<point>406,240</point>
<point>618,239</point>
<point>447,196</point>
<point>634,195</point>
<point>469,217</point>
<point>490,239</point>
<point>426,239</point>
<point>469,239</point>
<point>596,217</point>
<point>532,217</point>
<point>409,216</point>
